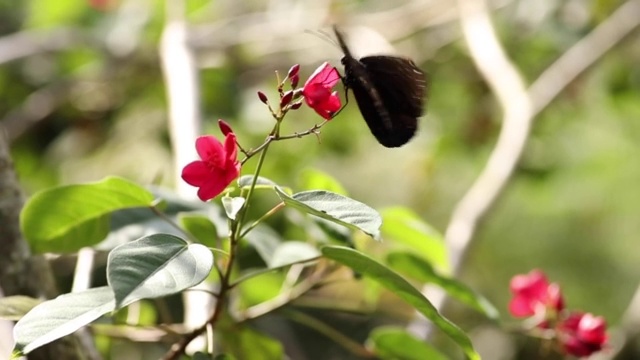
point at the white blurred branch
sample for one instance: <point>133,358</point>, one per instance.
<point>183,95</point>
<point>584,54</point>
<point>510,89</point>
<point>520,106</point>
<point>183,98</point>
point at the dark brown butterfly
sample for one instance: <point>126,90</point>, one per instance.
<point>390,92</point>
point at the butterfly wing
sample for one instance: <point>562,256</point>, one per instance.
<point>401,84</point>
<point>390,92</point>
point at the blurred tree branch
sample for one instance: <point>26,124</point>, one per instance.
<point>32,42</point>
<point>24,274</point>
<point>520,106</point>
<point>36,107</point>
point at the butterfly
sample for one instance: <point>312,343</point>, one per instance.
<point>390,92</point>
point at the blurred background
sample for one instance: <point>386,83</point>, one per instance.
<point>83,95</point>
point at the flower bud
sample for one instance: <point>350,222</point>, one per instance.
<point>295,69</point>
<point>224,127</point>
<point>262,97</point>
<point>296,105</point>
<point>295,79</point>
<point>286,99</point>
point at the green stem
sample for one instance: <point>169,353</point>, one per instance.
<point>262,218</point>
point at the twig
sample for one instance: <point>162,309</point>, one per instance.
<point>28,43</point>
<point>583,54</point>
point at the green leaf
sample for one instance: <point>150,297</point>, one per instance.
<point>245,343</point>
<point>395,343</point>
<point>399,286</point>
<point>265,241</point>
<point>419,269</point>
<point>313,179</point>
<point>291,252</point>
<point>43,13</point>
<point>156,266</point>
<point>256,290</point>
<point>232,205</point>
<point>67,218</point>
<point>61,316</point>
<point>14,307</point>
<point>200,227</point>
<point>198,355</point>
<point>245,181</point>
<point>403,226</point>
<point>336,208</point>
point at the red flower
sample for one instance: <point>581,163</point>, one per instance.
<point>582,334</point>
<point>533,295</point>
<point>217,169</point>
<point>317,91</point>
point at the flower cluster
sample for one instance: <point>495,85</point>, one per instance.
<point>577,333</point>
<point>219,166</point>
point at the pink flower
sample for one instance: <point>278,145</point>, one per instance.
<point>317,91</point>
<point>582,334</point>
<point>217,169</point>
<point>533,295</point>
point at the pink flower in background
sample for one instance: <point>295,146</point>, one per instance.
<point>534,295</point>
<point>317,91</point>
<point>217,168</point>
<point>582,334</point>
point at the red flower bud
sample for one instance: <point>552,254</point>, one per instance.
<point>295,79</point>
<point>295,69</point>
<point>262,97</point>
<point>296,105</point>
<point>225,128</point>
<point>286,99</point>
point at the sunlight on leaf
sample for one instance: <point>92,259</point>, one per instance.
<point>292,252</point>
<point>395,343</point>
<point>67,218</point>
<point>336,208</point>
<point>61,316</point>
<point>232,205</point>
<point>156,266</point>
<point>313,179</point>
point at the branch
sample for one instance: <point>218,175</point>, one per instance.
<point>33,42</point>
<point>35,108</point>
<point>520,107</point>
<point>583,54</point>
<point>505,81</point>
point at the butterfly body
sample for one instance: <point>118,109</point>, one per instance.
<point>390,92</point>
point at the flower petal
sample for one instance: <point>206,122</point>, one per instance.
<point>325,74</point>
<point>210,190</point>
<point>196,173</point>
<point>209,148</point>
